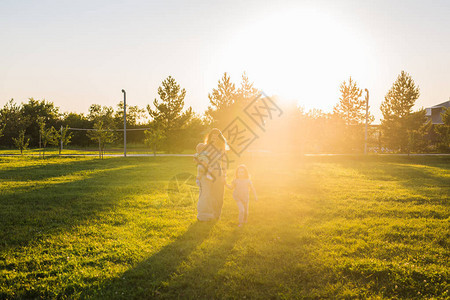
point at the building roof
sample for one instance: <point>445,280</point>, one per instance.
<point>443,104</point>
<point>434,113</point>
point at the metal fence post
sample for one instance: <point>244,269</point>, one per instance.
<point>124,123</point>
<point>367,120</point>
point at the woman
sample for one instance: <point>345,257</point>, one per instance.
<point>216,149</point>
<point>204,205</point>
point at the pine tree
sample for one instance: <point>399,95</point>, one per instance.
<point>397,113</point>
<point>221,100</point>
<point>401,97</point>
<point>351,115</point>
<point>227,102</point>
<point>246,92</point>
<point>351,107</point>
<point>168,113</point>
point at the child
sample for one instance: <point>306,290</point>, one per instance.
<point>202,159</point>
<point>241,185</point>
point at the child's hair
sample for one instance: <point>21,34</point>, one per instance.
<point>243,167</point>
<point>200,147</point>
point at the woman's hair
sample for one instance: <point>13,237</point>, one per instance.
<point>243,167</point>
<point>219,134</point>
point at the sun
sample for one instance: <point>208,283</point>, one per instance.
<point>299,54</point>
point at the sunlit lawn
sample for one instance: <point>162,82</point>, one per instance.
<point>324,227</point>
<point>50,151</point>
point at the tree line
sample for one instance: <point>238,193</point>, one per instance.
<point>172,127</point>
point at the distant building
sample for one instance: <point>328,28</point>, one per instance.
<point>434,113</point>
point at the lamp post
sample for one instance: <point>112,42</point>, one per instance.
<point>124,123</point>
<point>367,120</point>
<point>61,142</point>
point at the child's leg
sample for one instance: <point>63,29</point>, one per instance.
<point>241,208</point>
<point>245,211</point>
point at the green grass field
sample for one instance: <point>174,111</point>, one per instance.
<point>73,150</point>
<point>324,227</point>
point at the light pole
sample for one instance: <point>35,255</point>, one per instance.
<point>367,120</point>
<point>124,123</point>
<point>61,142</point>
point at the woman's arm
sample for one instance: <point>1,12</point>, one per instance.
<point>224,163</point>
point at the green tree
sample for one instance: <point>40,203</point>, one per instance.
<point>13,121</point>
<point>443,130</point>
<point>101,134</point>
<point>246,92</point>
<point>194,131</point>
<point>48,135</point>
<point>227,102</point>
<point>103,115</point>
<point>2,128</point>
<point>35,110</point>
<point>98,113</point>
<point>62,138</point>
<point>168,113</point>
<point>75,120</point>
<point>135,114</point>
<point>154,138</point>
<point>352,106</point>
<point>351,109</point>
<point>20,142</point>
<point>221,99</point>
<point>418,129</point>
<point>397,109</point>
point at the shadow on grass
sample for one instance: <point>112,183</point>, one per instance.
<point>410,172</point>
<point>186,284</point>
<point>164,274</point>
<point>53,167</point>
<point>47,168</point>
<point>34,211</point>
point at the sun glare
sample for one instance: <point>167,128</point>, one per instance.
<point>313,52</point>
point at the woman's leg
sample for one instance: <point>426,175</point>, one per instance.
<point>217,196</point>
<point>204,207</point>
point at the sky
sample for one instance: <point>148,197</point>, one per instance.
<point>76,53</point>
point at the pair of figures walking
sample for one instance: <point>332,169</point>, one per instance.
<point>211,178</point>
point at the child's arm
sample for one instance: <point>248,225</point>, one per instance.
<point>205,165</point>
<point>253,190</point>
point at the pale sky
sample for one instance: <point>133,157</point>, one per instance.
<point>76,53</point>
